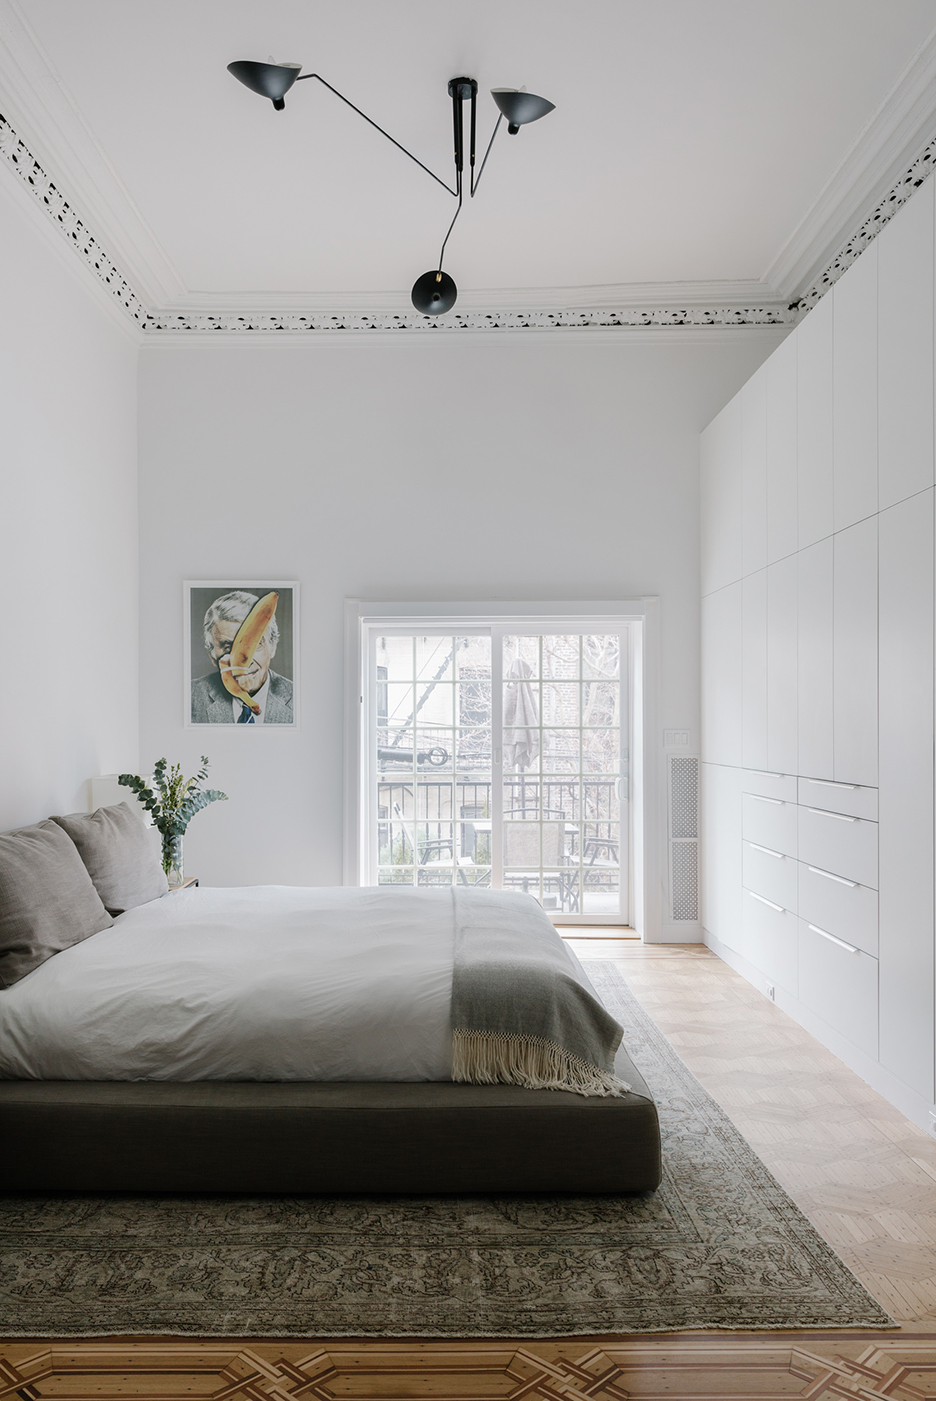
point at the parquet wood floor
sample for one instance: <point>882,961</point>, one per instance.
<point>863,1174</point>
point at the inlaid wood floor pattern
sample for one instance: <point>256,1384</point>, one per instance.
<point>862,1173</point>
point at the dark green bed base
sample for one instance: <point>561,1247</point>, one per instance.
<point>223,1136</point>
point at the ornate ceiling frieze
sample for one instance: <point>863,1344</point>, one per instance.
<point>64,216</point>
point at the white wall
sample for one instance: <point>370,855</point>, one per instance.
<point>68,565</point>
<point>818,667</point>
<point>455,468</point>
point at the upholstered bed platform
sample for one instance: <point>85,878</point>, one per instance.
<point>146,1136</point>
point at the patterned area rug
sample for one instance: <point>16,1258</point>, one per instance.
<point>720,1245</point>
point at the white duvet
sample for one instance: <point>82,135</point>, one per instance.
<point>254,983</point>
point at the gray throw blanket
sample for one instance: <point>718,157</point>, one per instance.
<point>523,1012</point>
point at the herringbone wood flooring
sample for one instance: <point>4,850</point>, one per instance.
<point>858,1169</point>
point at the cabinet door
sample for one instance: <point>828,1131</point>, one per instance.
<point>855,717</point>
<point>855,390</point>
<point>781,666</point>
<point>720,506</point>
<point>754,670</point>
<point>905,350</point>
<point>754,473</point>
<point>781,451</point>
<point>721,676</point>
<point>814,653</point>
<point>721,853</point>
<point>814,424</point>
<point>906,791</point>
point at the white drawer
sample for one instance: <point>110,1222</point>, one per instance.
<point>839,797</point>
<point>769,873</point>
<point>770,822</point>
<point>846,846</point>
<point>841,987</point>
<point>770,940</point>
<point>841,906</point>
<point>770,785</point>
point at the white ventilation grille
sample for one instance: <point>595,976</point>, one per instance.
<point>684,837</point>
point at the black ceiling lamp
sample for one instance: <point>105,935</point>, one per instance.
<point>435,292</point>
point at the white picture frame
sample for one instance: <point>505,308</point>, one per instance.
<point>205,701</point>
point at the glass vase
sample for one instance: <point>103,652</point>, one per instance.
<point>172,860</point>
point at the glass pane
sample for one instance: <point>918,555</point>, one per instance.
<point>522,798</point>
<point>435,703</point>
<point>561,657</point>
<point>474,842</point>
<point>473,750</point>
<point>521,844</point>
<point>523,649</point>
<point>600,799</point>
<point>561,799</point>
<point>601,751</point>
<point>561,703</point>
<point>434,875</point>
<point>601,891</point>
<point>435,750</point>
<point>399,707</point>
<point>554,843</point>
<point>561,751</point>
<point>600,845</point>
<point>399,848</point>
<point>521,750</point>
<point>395,875</point>
<point>526,881</point>
<point>473,703</point>
<point>601,656</point>
<point>563,888</point>
<point>474,875</point>
<point>473,658</point>
<point>434,800</point>
<point>396,655</point>
<point>434,659</point>
<point>600,701</point>
<point>436,843</point>
<point>394,750</point>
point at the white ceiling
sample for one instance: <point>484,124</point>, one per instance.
<point>690,138</point>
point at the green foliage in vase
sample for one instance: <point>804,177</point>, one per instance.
<point>174,803</point>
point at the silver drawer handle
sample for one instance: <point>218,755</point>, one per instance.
<point>764,901</point>
<point>827,783</point>
<point>766,850</point>
<point>762,773</point>
<point>841,942</point>
<point>839,816</point>
<point>852,884</point>
<point>777,802</point>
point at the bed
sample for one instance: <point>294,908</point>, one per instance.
<point>282,1039</point>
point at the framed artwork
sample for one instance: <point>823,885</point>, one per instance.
<point>241,652</point>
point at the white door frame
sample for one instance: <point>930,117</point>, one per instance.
<point>648,812</point>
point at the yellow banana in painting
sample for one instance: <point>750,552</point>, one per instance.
<point>246,641</point>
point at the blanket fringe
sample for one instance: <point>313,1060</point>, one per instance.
<point>507,1058</point>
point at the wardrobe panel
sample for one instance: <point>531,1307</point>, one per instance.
<point>814,659</point>
<point>781,451</point>
<point>905,350</point>
<point>721,676</point>
<point>906,791</point>
<point>721,853</point>
<point>720,466</point>
<point>855,391</point>
<point>855,719</point>
<point>814,424</point>
<point>754,473</point>
<point>781,666</point>
<point>754,670</point>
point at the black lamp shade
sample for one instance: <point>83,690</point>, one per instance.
<point>272,80</point>
<point>520,107</point>
<point>434,293</point>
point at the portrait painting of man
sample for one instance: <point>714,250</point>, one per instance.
<point>241,650</point>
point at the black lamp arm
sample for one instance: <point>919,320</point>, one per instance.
<point>475,183</point>
<point>396,143</point>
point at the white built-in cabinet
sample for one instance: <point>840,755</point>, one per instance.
<point>818,579</point>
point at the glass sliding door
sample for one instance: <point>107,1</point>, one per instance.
<point>498,757</point>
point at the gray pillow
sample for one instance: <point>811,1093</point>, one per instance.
<point>121,856</point>
<point>47,900</point>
